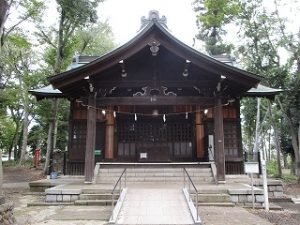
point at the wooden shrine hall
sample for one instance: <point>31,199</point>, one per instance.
<point>154,99</point>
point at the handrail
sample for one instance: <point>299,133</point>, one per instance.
<point>119,181</point>
<point>211,152</point>
<point>185,172</point>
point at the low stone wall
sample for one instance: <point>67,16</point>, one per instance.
<point>62,195</point>
<point>275,188</point>
<point>243,197</point>
<point>6,214</point>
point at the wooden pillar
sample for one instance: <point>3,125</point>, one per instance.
<point>90,139</point>
<point>219,140</point>
<point>199,133</point>
<point>109,139</point>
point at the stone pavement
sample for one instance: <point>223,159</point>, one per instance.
<point>229,216</point>
<point>154,206</point>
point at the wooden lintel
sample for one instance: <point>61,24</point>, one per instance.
<point>165,83</point>
<point>160,100</point>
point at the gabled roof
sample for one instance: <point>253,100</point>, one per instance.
<point>47,92</point>
<point>263,91</point>
<point>154,32</point>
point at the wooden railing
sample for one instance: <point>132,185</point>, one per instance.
<point>74,168</point>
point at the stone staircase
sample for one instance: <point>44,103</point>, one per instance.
<point>94,198</point>
<point>213,199</point>
<point>163,174</point>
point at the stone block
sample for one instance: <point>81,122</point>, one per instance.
<point>272,188</point>
<point>234,198</point>
<point>66,198</point>
<point>59,198</point>
<point>244,191</point>
<point>271,194</point>
<point>74,198</point>
<point>278,194</point>
<point>71,191</point>
<point>259,198</point>
<point>249,198</point>
<point>279,188</point>
<point>248,204</point>
<point>243,198</point>
<point>53,191</point>
<point>50,198</point>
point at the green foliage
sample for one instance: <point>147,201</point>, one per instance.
<point>7,130</point>
<point>248,111</point>
<point>213,16</point>
<point>272,170</point>
<point>94,40</point>
<point>289,178</point>
<point>79,12</point>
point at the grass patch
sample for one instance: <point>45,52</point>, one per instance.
<point>289,178</point>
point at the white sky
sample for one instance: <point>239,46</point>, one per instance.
<point>124,17</point>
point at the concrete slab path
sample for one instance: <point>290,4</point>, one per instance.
<point>154,206</point>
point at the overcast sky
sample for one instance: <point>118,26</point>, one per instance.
<point>124,16</point>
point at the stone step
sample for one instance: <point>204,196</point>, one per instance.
<point>211,198</point>
<point>96,191</point>
<point>95,202</point>
<point>43,203</point>
<point>133,174</point>
<point>161,178</point>
<point>153,170</point>
<point>219,204</point>
<point>97,196</point>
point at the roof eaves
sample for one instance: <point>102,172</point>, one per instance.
<point>82,68</point>
<point>208,58</point>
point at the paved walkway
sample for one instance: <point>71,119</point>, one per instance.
<point>154,206</point>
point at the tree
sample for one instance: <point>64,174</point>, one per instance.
<point>61,43</point>
<point>264,33</point>
<point>21,76</point>
<point>213,16</point>
<point>290,102</point>
<point>33,6</point>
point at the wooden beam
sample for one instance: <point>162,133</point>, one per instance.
<point>109,139</point>
<point>219,139</point>
<point>165,83</point>
<point>160,100</point>
<point>90,139</point>
<point>199,133</point>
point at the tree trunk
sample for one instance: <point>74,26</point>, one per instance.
<point>4,8</point>
<point>49,148</point>
<point>256,143</point>
<point>295,138</point>
<point>285,162</point>
<point>52,133</point>
<point>276,140</point>
<point>24,136</point>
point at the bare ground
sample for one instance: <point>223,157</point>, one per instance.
<point>291,212</point>
<point>16,186</point>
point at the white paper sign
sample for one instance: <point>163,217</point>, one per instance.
<point>251,167</point>
<point>143,155</point>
